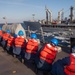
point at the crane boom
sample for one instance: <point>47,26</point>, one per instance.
<point>59,15</point>
<point>50,13</point>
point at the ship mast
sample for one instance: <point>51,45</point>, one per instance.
<point>71,14</point>
<point>50,13</point>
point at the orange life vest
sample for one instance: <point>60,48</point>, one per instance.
<point>0,32</point>
<point>5,36</point>
<point>10,41</point>
<point>32,46</point>
<point>48,53</point>
<point>19,41</point>
<point>70,69</point>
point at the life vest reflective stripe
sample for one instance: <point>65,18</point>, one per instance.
<point>70,70</point>
<point>32,46</point>
<point>0,32</point>
<point>10,41</point>
<point>20,41</point>
<point>48,53</point>
<point>5,36</point>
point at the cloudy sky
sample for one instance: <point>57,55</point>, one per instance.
<point>20,10</point>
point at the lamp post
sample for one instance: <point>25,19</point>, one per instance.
<point>5,20</point>
<point>33,16</point>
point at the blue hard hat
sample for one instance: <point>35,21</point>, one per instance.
<point>20,33</point>
<point>33,35</point>
<point>54,41</point>
<point>73,49</point>
<point>15,35</point>
<point>0,28</point>
<point>8,31</point>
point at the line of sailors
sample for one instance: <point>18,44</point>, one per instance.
<point>43,57</point>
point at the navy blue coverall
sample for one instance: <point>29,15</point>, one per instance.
<point>58,66</point>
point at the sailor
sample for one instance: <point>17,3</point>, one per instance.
<point>10,43</point>
<point>0,34</point>
<point>5,37</point>
<point>47,55</point>
<point>19,44</point>
<point>31,47</point>
<point>65,66</point>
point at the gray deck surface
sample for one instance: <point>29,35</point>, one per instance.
<point>9,64</point>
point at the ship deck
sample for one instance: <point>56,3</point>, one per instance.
<point>59,25</point>
<point>12,66</point>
